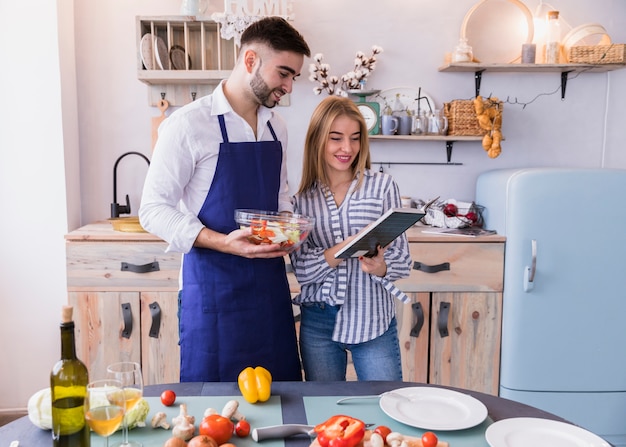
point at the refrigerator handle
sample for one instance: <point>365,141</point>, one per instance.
<point>529,272</point>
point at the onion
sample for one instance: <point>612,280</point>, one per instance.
<point>202,441</point>
<point>175,442</point>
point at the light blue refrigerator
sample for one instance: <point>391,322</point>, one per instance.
<point>564,308</point>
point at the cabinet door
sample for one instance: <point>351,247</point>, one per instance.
<point>414,335</point>
<point>100,325</point>
<point>160,352</point>
<point>465,340</point>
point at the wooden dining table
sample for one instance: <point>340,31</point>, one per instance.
<point>291,403</point>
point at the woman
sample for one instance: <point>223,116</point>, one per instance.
<point>346,305</point>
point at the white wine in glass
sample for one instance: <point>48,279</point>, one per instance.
<point>104,407</point>
<point>129,373</point>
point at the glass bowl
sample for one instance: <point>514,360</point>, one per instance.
<point>288,230</point>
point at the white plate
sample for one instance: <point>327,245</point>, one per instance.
<point>433,408</point>
<point>535,432</point>
<point>162,56</point>
<point>496,30</point>
<point>408,96</point>
<point>145,48</point>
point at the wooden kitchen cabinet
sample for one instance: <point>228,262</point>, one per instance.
<point>450,332</point>
<point>124,289</point>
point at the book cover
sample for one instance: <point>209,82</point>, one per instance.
<point>381,232</point>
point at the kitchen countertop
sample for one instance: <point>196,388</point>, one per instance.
<point>103,231</point>
<point>293,404</point>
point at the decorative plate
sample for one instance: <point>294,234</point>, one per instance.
<point>161,53</point>
<point>177,57</point>
<point>496,30</point>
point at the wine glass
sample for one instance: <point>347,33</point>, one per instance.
<point>104,407</point>
<point>129,373</point>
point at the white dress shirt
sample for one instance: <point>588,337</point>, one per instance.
<point>184,162</point>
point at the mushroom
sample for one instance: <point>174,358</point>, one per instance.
<point>230,411</point>
<point>376,440</point>
<point>183,415</point>
<point>183,424</point>
<point>394,439</point>
<point>209,411</point>
<point>159,420</point>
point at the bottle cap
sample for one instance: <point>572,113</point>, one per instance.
<point>66,314</point>
<point>553,14</point>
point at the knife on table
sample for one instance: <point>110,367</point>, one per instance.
<point>282,431</point>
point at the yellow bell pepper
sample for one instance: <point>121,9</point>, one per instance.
<point>255,384</point>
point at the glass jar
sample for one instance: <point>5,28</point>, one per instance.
<point>553,38</point>
<point>462,52</point>
<point>420,123</point>
<point>437,123</point>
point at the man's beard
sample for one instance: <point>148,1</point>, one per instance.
<point>261,91</point>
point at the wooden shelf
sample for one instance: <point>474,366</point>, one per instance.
<point>529,68</point>
<point>563,69</point>
<point>448,139</point>
<point>426,137</point>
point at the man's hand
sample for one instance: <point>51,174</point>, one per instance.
<point>237,243</point>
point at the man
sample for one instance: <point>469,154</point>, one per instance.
<point>219,153</point>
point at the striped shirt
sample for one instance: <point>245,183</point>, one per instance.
<point>367,301</point>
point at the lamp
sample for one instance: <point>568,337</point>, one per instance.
<point>237,15</point>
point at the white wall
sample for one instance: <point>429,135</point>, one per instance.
<point>107,114</point>
<point>33,195</point>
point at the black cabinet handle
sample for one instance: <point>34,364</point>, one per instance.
<point>127,315</point>
<point>150,267</point>
<point>431,268</point>
<point>419,315</point>
<point>155,311</point>
<point>442,319</point>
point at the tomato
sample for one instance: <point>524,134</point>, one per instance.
<point>242,428</point>
<point>429,439</point>
<point>217,427</point>
<point>383,431</point>
<point>168,397</point>
<point>450,210</point>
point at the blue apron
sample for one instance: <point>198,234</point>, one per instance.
<point>236,312</point>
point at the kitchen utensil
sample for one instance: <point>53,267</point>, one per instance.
<point>373,396</point>
<point>284,431</point>
<point>157,120</point>
<point>281,431</point>
<point>288,230</point>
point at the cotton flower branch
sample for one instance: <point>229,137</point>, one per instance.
<point>363,67</point>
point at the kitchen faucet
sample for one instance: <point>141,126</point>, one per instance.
<point>117,209</point>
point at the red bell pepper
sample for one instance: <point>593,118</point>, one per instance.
<point>340,431</point>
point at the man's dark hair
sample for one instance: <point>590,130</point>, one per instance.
<point>278,34</point>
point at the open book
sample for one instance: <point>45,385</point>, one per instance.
<point>383,231</point>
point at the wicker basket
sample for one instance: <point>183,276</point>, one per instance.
<point>462,119</point>
<point>598,54</point>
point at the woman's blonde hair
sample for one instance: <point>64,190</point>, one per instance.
<point>313,166</point>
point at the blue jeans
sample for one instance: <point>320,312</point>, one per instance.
<point>326,360</point>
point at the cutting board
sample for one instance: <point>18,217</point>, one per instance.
<point>157,120</point>
<point>259,415</point>
<point>320,408</point>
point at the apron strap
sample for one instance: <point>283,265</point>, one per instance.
<point>223,128</point>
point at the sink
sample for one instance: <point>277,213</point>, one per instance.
<point>129,224</point>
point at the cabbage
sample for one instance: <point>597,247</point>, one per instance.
<point>40,411</point>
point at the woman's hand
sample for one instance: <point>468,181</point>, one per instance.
<point>375,265</point>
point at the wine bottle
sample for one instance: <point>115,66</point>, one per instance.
<point>68,385</point>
